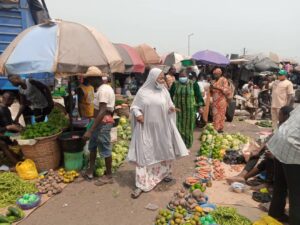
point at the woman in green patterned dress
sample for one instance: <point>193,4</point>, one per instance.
<point>187,98</point>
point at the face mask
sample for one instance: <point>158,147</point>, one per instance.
<point>183,80</point>
<point>159,86</point>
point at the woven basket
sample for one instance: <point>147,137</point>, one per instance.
<point>123,112</point>
<point>45,153</point>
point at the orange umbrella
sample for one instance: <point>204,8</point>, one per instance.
<point>148,54</point>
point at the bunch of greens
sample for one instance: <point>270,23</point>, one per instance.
<point>43,129</point>
<point>58,119</point>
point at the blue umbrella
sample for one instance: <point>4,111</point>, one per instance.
<point>211,57</point>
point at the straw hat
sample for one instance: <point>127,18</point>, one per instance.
<point>93,71</point>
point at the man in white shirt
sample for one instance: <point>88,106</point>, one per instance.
<point>282,95</point>
<point>285,146</point>
<point>99,134</point>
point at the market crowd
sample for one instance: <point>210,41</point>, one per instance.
<point>164,113</point>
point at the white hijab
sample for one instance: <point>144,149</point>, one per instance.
<point>157,139</point>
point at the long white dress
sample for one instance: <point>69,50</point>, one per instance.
<point>156,142</point>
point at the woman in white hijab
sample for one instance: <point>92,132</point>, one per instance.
<point>155,139</point>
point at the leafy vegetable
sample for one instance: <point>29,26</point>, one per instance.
<point>43,129</point>
<point>58,119</point>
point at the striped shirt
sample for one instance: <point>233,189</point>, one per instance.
<point>285,143</point>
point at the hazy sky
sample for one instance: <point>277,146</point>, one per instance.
<point>226,26</point>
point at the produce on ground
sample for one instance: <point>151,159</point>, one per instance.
<point>188,201</point>
<point>13,214</point>
<point>218,170</point>
<point>67,176</point>
<point>49,184</point>
<point>119,150</point>
<point>203,168</point>
<point>200,186</point>
<point>163,217</point>
<point>229,216</point>
<point>58,119</point>
<point>214,145</point>
<point>207,220</point>
<point>267,220</point>
<point>178,216</point>
<point>191,180</point>
<point>12,187</point>
<point>28,199</point>
<point>264,123</point>
<point>37,130</point>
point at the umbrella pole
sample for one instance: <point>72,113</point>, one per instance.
<point>70,104</point>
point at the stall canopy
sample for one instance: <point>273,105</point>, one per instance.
<point>60,47</point>
<point>148,54</point>
<point>210,57</point>
<point>132,60</point>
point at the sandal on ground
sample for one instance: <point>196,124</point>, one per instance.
<point>254,182</point>
<point>136,193</point>
<point>168,179</point>
<point>87,176</point>
<point>104,180</point>
<point>261,197</point>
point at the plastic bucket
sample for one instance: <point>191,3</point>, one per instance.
<point>71,141</point>
<point>73,161</point>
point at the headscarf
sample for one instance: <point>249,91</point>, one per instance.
<point>148,89</point>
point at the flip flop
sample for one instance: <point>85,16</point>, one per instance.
<point>87,176</point>
<point>168,179</point>
<point>136,193</point>
<point>104,180</point>
<point>261,197</point>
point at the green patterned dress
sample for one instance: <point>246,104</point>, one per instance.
<point>187,98</point>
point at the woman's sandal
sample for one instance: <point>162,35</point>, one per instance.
<point>168,179</point>
<point>136,193</point>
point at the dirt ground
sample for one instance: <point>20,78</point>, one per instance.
<point>84,203</point>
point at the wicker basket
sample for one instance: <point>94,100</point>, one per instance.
<point>123,112</point>
<point>45,153</point>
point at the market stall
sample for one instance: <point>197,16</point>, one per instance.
<point>43,144</point>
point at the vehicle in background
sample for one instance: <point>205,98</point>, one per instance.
<point>16,16</point>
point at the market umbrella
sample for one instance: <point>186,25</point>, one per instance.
<point>148,54</point>
<point>210,57</point>
<point>297,68</point>
<point>132,60</point>
<point>60,47</point>
<point>173,58</point>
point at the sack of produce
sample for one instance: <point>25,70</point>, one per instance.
<point>27,170</point>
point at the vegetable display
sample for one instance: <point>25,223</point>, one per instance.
<point>12,187</point>
<point>49,184</point>
<point>67,176</point>
<point>214,145</point>
<point>28,199</point>
<point>13,214</point>
<point>229,216</point>
<point>42,129</point>
<point>264,123</point>
<point>58,119</point>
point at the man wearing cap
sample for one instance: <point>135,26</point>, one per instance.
<point>282,95</point>
<point>99,134</point>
